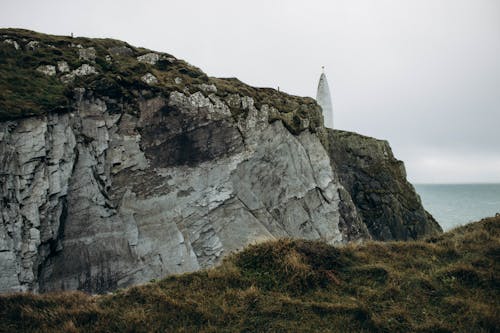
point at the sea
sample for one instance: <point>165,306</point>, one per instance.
<point>453,205</point>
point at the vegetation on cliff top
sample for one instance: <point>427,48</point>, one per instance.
<point>448,283</point>
<point>25,91</point>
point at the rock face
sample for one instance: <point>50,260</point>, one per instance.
<point>94,200</point>
<point>120,182</point>
<point>376,181</point>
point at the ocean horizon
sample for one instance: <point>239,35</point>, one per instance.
<point>453,205</point>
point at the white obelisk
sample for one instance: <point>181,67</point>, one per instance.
<point>324,100</point>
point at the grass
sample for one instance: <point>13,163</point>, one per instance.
<point>448,283</point>
<point>296,113</point>
<point>26,92</point>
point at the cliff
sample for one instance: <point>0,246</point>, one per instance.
<point>376,182</point>
<point>120,165</point>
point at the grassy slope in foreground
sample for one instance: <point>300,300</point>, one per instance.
<point>446,283</point>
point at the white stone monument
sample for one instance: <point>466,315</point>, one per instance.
<point>324,100</point>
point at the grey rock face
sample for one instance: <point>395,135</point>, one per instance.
<point>208,88</point>
<point>132,179</point>
<point>376,181</point>
<point>32,45</point>
<point>95,200</point>
<point>13,43</point>
<point>83,70</point>
<point>37,162</point>
<point>87,54</point>
<point>149,79</point>
<point>47,70</point>
<point>149,58</point>
<point>62,66</point>
<point>121,51</point>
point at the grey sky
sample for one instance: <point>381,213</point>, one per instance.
<point>423,74</point>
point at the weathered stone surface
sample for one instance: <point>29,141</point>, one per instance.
<point>87,54</point>
<point>208,88</point>
<point>62,66</point>
<point>95,200</point>
<point>47,70</point>
<point>13,43</point>
<point>376,181</point>
<point>128,182</point>
<point>121,51</point>
<point>149,58</point>
<point>37,161</point>
<point>32,45</point>
<point>83,70</point>
<point>149,79</point>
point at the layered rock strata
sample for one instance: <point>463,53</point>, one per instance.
<point>93,200</point>
<point>119,165</point>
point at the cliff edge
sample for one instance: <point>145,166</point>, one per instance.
<point>376,182</point>
<point>119,165</point>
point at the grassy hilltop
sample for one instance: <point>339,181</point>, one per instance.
<point>118,77</point>
<point>449,283</point>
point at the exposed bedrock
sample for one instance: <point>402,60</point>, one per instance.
<point>119,165</point>
<point>376,182</point>
<point>95,200</point>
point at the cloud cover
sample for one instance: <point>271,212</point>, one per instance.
<point>423,74</point>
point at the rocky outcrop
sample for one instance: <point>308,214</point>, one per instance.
<point>95,200</point>
<point>109,178</point>
<point>376,182</point>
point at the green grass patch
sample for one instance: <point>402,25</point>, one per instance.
<point>26,92</point>
<point>298,286</point>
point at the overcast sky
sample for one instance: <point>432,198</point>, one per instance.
<point>423,74</point>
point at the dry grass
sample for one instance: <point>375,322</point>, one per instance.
<point>448,283</point>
